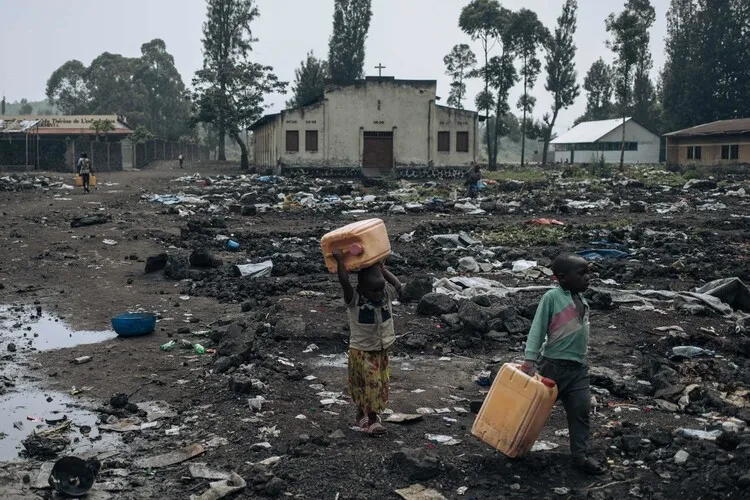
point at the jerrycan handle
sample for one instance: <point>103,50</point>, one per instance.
<point>548,382</point>
<point>353,249</point>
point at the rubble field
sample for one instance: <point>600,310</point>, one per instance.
<point>248,399</point>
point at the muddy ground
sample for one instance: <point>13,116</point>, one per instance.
<point>258,330</point>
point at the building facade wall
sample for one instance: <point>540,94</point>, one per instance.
<point>677,150</point>
<point>405,109</point>
<point>453,121</point>
<point>647,152</point>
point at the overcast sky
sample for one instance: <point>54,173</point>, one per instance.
<point>409,37</point>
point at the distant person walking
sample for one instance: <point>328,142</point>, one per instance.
<point>85,170</point>
<point>181,160</point>
<point>473,177</point>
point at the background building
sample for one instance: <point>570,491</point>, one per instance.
<point>715,143</point>
<point>589,142</point>
<point>378,124</point>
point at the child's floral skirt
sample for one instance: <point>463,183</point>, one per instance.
<point>369,373</point>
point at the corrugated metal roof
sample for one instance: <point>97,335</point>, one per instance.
<point>262,121</point>
<point>588,132</point>
<point>16,126</point>
<point>721,127</point>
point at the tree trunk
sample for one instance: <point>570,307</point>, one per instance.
<point>548,135</point>
<point>490,162</point>
<point>244,162</point>
<point>523,122</point>
<point>622,145</point>
<point>222,144</point>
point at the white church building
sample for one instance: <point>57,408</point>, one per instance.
<point>377,123</point>
<point>589,142</point>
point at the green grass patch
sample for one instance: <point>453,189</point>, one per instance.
<point>525,174</point>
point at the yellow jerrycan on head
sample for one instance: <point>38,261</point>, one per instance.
<point>364,243</point>
<point>515,410</point>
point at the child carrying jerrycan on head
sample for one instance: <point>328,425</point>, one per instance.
<point>363,247</point>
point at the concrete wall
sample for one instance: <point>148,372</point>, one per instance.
<point>405,109</point>
<point>452,121</point>
<point>302,120</point>
<point>677,150</point>
<point>648,147</point>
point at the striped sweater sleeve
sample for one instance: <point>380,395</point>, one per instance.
<point>538,331</point>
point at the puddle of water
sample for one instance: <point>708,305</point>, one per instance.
<point>29,331</point>
<point>23,327</point>
<point>18,406</point>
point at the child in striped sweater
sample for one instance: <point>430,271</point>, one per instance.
<point>557,346</point>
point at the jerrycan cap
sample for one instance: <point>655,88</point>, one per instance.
<point>356,249</point>
<point>548,382</point>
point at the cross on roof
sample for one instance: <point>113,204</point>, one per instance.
<point>380,69</point>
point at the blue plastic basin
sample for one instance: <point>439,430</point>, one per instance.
<point>134,324</point>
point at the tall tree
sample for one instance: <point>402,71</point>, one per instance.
<point>598,85</point>
<point>229,89</point>
<point>481,21</point>
<point>113,90</point>
<point>458,65</point>
<point>561,70</point>
<point>678,75</point>
<point>167,103</point>
<point>346,47</point>
<point>706,76</point>
<point>492,25</point>
<point>629,31</point>
<point>529,34</point>
<point>309,81</point>
<point>67,88</point>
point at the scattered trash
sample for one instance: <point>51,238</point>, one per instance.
<point>689,351</point>
<point>419,492</point>
<point>82,360</point>
<point>400,418</point>
<point>254,270</point>
<point>597,254</point>
<point>462,490</point>
<point>483,378</point>
<point>544,446</point>
<point>202,471</point>
<point>232,245</point>
<point>698,434</point>
<point>73,476</point>
<point>310,348</point>
<point>442,439</point>
<point>109,242</point>
<point>168,346</point>
<point>222,488</point>
<point>425,411</point>
<point>171,458</point>
<point>89,220</point>
<point>523,265</point>
<point>562,491</point>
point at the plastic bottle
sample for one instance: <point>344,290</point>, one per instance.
<point>168,346</point>
<point>199,349</point>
